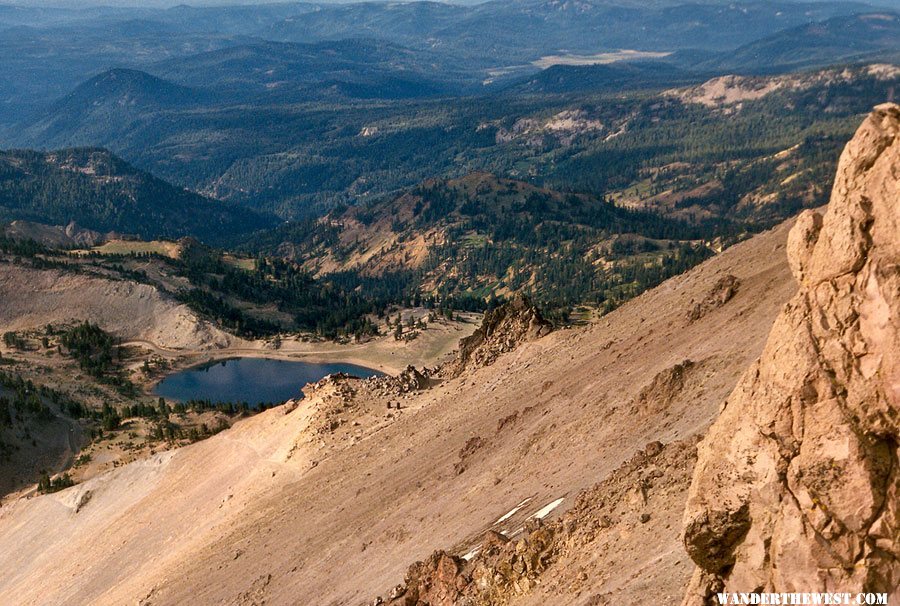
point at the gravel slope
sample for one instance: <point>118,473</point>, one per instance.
<point>287,508</point>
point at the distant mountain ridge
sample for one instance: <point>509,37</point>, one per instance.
<point>105,107</point>
<point>524,30</point>
<point>111,104</point>
<point>561,79</point>
<point>48,51</point>
<point>867,36</point>
<point>280,69</point>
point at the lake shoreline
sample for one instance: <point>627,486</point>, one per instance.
<point>195,360</point>
<point>382,354</point>
<point>255,380</point>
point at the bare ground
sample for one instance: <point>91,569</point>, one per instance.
<point>328,502</point>
<point>34,298</point>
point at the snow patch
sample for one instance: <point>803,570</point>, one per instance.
<point>548,509</point>
<point>511,512</point>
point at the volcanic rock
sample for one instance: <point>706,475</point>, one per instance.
<point>797,485</point>
<point>501,331</point>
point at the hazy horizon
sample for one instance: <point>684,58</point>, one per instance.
<point>156,4</point>
<point>76,4</point>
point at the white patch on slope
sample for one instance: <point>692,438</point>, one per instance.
<point>548,508</point>
<point>511,512</point>
<point>471,554</point>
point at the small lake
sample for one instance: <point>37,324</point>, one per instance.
<point>251,380</point>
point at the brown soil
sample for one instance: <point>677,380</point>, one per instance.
<point>329,501</point>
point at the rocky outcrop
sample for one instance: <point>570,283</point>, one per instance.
<point>797,485</point>
<point>57,236</point>
<point>503,569</point>
<point>409,380</point>
<point>471,447</point>
<point>505,566</point>
<point>501,331</point>
<point>721,293</point>
<point>663,389</point>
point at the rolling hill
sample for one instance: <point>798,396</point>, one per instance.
<point>480,236</point>
<point>574,128</point>
<point>624,75</point>
<point>112,105</point>
<point>285,72</point>
<point>44,63</point>
<point>106,107</point>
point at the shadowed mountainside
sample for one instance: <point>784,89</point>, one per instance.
<point>102,192</point>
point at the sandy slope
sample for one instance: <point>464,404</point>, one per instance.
<point>279,511</point>
<point>34,298</point>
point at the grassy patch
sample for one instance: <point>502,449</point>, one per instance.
<point>129,247</point>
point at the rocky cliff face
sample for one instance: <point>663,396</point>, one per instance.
<point>797,485</point>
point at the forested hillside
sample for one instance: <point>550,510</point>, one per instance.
<point>595,129</point>
<point>479,237</point>
<point>576,152</point>
<point>102,192</point>
<point>575,198</point>
<point>869,36</point>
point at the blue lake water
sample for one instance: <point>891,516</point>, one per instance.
<point>251,380</point>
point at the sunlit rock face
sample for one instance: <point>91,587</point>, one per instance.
<point>797,486</point>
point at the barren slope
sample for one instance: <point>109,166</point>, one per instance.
<point>300,505</point>
<point>34,298</point>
